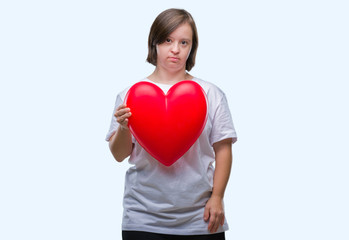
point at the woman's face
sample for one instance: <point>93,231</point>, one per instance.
<point>172,54</point>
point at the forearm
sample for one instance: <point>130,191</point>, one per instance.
<point>120,144</point>
<point>224,161</point>
<point>214,210</point>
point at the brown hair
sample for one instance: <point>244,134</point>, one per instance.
<point>164,24</point>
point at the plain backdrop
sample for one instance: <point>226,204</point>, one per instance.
<point>282,64</point>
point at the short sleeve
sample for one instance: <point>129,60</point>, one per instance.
<point>222,123</point>
<point>114,124</point>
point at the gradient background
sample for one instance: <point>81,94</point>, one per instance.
<point>282,64</point>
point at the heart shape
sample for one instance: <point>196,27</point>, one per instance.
<point>167,125</point>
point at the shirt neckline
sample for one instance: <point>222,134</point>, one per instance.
<point>168,85</point>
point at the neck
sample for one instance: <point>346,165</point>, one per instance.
<point>166,77</point>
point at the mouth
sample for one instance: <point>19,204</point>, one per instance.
<point>174,59</point>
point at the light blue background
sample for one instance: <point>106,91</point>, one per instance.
<point>282,64</point>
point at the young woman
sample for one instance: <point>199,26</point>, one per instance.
<point>184,200</point>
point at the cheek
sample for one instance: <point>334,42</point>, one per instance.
<point>160,50</point>
<point>188,53</point>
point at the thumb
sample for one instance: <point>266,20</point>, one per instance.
<point>206,213</point>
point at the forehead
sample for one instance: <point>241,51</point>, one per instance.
<point>183,31</point>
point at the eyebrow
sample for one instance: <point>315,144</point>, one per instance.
<point>183,39</point>
<point>187,39</point>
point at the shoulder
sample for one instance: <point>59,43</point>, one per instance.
<point>123,93</point>
<point>211,90</point>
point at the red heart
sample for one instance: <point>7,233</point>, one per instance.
<point>167,125</point>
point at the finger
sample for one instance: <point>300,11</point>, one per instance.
<point>121,106</point>
<point>206,214</point>
<point>217,221</point>
<point>123,117</point>
<point>215,225</point>
<point>220,221</point>
<point>121,112</point>
<point>211,224</point>
<point>223,219</point>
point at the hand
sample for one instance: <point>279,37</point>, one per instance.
<point>214,212</point>
<point>122,114</point>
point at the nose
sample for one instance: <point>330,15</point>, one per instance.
<point>175,48</point>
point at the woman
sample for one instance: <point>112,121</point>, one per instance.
<point>184,200</point>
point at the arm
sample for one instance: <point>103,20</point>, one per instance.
<point>214,210</point>
<point>120,143</point>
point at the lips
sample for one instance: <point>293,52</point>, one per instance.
<point>174,59</point>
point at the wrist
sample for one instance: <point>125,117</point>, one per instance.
<point>217,196</point>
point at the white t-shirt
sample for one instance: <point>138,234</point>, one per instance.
<point>171,200</point>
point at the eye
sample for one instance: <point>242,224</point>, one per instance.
<point>168,40</point>
<point>184,42</point>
